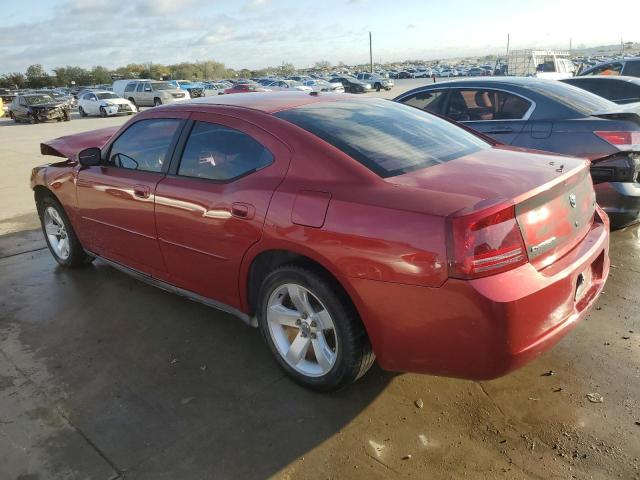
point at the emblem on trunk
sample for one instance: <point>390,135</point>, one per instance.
<point>572,200</point>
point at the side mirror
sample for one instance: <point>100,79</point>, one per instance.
<point>90,157</point>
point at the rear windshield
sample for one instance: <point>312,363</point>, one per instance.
<point>572,97</point>
<point>386,137</point>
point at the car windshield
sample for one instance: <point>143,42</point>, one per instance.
<point>386,137</point>
<point>184,82</point>
<point>575,98</point>
<point>162,86</point>
<point>38,99</point>
<point>106,95</point>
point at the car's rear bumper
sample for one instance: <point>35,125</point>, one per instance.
<point>621,201</point>
<point>482,328</point>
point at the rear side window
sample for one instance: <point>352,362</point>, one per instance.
<point>632,68</point>
<point>429,100</point>
<point>387,137</point>
<point>482,104</point>
<point>145,145</point>
<point>216,152</point>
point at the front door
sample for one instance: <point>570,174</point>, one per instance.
<point>116,199</point>
<point>212,205</point>
<point>499,114</point>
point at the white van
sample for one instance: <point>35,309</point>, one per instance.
<point>551,64</point>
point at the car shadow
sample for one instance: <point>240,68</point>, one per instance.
<point>161,386</point>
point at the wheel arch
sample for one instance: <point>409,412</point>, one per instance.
<point>262,263</point>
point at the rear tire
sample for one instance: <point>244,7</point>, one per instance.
<point>157,102</point>
<point>59,234</point>
<point>378,87</point>
<point>82,112</point>
<point>324,347</point>
<point>66,116</point>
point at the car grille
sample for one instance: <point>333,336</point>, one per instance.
<point>196,92</point>
<point>124,108</point>
<point>178,95</point>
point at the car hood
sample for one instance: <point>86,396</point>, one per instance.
<point>117,101</point>
<point>47,105</point>
<point>70,145</point>
<point>489,177</point>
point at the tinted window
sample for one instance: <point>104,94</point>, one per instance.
<point>429,100</point>
<point>221,153</point>
<point>483,104</point>
<point>140,87</point>
<point>144,145</point>
<point>607,69</point>
<point>632,68</point>
<point>387,137</point>
<point>130,87</point>
<point>572,97</point>
<point>625,91</point>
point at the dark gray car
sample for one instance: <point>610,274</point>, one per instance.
<point>620,90</point>
<point>628,66</point>
<point>548,115</point>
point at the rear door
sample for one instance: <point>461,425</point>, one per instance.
<point>116,199</point>
<point>499,114</point>
<point>212,205</point>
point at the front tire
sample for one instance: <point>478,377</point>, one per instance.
<point>312,329</point>
<point>59,234</point>
<point>157,102</point>
<point>103,112</point>
<point>378,87</point>
<point>66,116</point>
<point>82,112</point>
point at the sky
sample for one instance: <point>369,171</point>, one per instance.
<point>260,33</point>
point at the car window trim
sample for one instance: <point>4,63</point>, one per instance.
<point>415,92</point>
<point>176,158</point>
<point>106,154</point>
<point>525,118</point>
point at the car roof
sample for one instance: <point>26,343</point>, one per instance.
<point>268,102</point>
<point>521,81</point>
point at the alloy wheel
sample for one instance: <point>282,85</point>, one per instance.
<point>56,233</point>
<point>302,330</point>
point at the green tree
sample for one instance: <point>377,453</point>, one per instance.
<point>36,76</point>
<point>322,65</point>
<point>13,80</point>
<point>100,74</point>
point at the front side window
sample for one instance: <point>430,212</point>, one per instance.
<point>145,145</point>
<point>428,100</point>
<point>482,105</point>
<point>130,87</point>
<point>157,86</point>
<point>386,137</point>
<point>216,152</point>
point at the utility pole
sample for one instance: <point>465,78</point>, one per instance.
<point>570,43</point>
<point>507,46</point>
<point>621,46</point>
<point>370,54</point>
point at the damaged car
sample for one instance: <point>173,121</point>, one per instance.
<point>37,107</point>
<point>346,229</point>
<point>549,115</point>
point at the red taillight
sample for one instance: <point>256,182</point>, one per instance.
<point>622,140</point>
<point>481,244</point>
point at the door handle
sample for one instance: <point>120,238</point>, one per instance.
<point>141,191</point>
<point>242,210</point>
<point>501,130</point>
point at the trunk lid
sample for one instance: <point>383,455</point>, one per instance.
<point>542,187</point>
<point>555,220</point>
<point>69,146</point>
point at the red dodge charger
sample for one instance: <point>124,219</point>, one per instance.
<point>347,229</point>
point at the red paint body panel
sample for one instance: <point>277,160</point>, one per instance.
<point>384,240</point>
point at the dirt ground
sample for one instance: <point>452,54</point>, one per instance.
<point>103,377</point>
